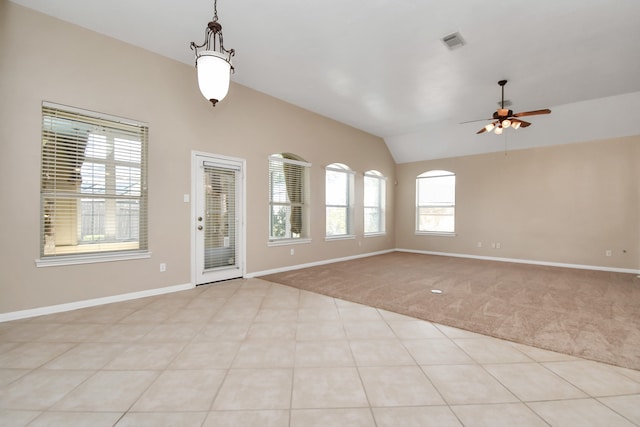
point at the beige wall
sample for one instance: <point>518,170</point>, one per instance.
<point>564,204</point>
<point>44,59</point>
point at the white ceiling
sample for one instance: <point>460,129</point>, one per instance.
<point>380,66</point>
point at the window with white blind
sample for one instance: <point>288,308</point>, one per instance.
<point>374,202</point>
<point>288,198</point>
<point>339,200</point>
<point>221,205</point>
<point>93,191</point>
<point>436,202</point>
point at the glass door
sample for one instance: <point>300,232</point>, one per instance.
<point>218,220</point>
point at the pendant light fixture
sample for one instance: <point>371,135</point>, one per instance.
<point>213,62</point>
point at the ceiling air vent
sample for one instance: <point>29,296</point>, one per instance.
<point>453,40</point>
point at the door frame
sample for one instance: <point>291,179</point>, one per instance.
<point>196,157</point>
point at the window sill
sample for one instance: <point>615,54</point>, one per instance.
<point>285,242</point>
<point>341,237</point>
<point>89,259</point>
<point>374,235</point>
<point>435,233</point>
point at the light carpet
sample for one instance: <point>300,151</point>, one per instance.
<point>585,313</point>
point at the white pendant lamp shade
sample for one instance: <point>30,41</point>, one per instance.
<point>214,74</point>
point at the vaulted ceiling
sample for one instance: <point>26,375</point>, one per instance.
<point>380,65</point>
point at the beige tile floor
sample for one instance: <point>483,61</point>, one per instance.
<point>253,353</point>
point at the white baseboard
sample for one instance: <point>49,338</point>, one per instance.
<point>487,258</point>
<point>23,314</point>
<point>314,264</point>
<point>525,261</point>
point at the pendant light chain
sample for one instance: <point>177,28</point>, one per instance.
<point>215,10</point>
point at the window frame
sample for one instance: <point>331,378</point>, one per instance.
<point>434,174</point>
<point>79,153</point>
<point>380,207</point>
<point>304,204</point>
<point>347,206</point>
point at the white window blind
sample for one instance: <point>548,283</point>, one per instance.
<point>288,197</point>
<point>220,184</point>
<point>374,202</point>
<point>93,191</point>
<point>339,200</point>
<point>436,202</point>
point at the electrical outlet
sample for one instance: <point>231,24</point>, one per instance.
<point>293,251</point>
<point>163,267</point>
<point>608,252</point>
<point>498,245</point>
<point>479,244</point>
<point>493,245</point>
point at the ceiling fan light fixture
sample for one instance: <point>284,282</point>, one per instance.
<point>504,118</point>
<point>213,62</point>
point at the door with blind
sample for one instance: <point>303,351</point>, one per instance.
<point>218,213</point>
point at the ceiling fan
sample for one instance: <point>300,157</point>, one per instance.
<point>504,118</point>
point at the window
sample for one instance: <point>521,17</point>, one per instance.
<point>436,202</point>
<point>288,198</point>
<point>374,202</point>
<point>93,193</point>
<point>338,199</point>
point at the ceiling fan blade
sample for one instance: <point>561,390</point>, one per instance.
<point>523,124</point>
<point>483,130</point>
<point>473,121</point>
<point>532,113</point>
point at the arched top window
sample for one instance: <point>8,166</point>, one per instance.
<point>435,202</point>
<point>288,197</point>
<point>289,156</point>
<point>340,167</point>
<point>435,173</point>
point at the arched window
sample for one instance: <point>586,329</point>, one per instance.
<point>435,202</point>
<point>288,197</point>
<point>374,202</point>
<point>339,200</point>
